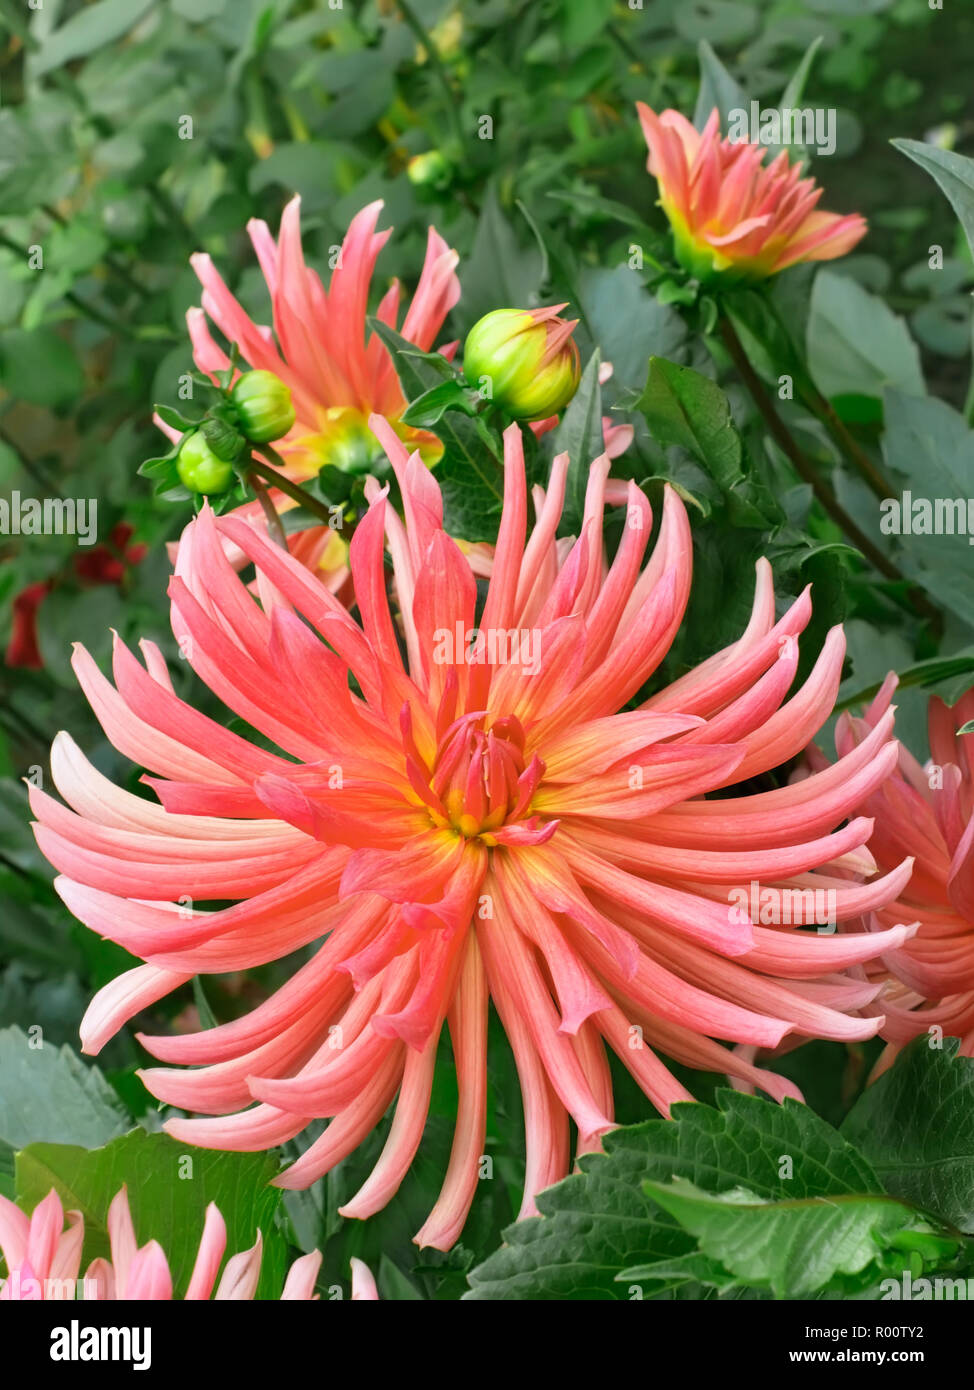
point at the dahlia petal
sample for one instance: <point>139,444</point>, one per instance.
<point>299,1286</point>
<point>468,1034</point>
<point>242,1275</point>
<point>363,1284</point>
<point>213,1242</point>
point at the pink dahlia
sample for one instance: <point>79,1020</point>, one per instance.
<point>928,813</point>
<point>319,346</point>
<point>731,213</point>
<point>44,1259</point>
<point>463,811</point>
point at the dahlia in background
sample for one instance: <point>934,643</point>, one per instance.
<point>464,811</point>
<point>926,812</point>
<point>107,563</point>
<point>320,347</point>
<point>733,216</point>
<point>44,1260</point>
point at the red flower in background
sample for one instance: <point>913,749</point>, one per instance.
<point>103,564</point>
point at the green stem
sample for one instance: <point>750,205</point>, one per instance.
<point>855,454</point>
<point>284,484</point>
<point>807,471</point>
<point>30,465</point>
<point>269,510</point>
<point>871,474</point>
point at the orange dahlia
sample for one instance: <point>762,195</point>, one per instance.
<point>463,807</point>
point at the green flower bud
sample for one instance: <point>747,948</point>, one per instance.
<point>263,405</point>
<point>200,469</point>
<point>525,360</point>
<point>428,170</point>
<point>226,442</point>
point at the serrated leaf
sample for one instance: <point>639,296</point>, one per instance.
<point>600,1222</point>
<point>794,1248</point>
<point>683,407</point>
<point>49,1093</point>
<point>916,1126</point>
<point>427,410</point>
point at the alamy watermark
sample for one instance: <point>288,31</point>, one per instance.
<point>491,646</point>
<point>908,515</point>
<point>50,516</point>
<point>811,127</point>
<point>767,906</point>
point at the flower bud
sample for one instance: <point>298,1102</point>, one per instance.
<point>429,169</point>
<point>200,469</point>
<point>263,405</point>
<point>526,358</point>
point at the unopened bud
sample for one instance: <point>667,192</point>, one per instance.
<point>200,469</point>
<point>263,405</point>
<point>528,357</point>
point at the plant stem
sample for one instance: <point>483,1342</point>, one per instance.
<point>284,484</point>
<point>854,452</point>
<point>807,471</point>
<point>269,510</point>
<point>823,409</point>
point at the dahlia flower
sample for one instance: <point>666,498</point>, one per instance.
<point>926,812</point>
<point>44,1260</point>
<point>733,215</point>
<point>463,810</point>
<point>336,377</point>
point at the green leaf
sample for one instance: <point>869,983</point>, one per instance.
<point>579,435</point>
<point>39,366</point>
<point>717,88</point>
<point>48,1093</point>
<point>794,1248</point>
<point>916,1126</point>
<point>929,450</point>
<point>856,344</point>
<point>499,273</point>
<point>469,474</point>
<point>429,408</point>
<point>600,1222</point>
<point>168,1190</point>
<point>793,92</point>
<point>86,30</point>
<point>953,172</point>
<point>682,407</point>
